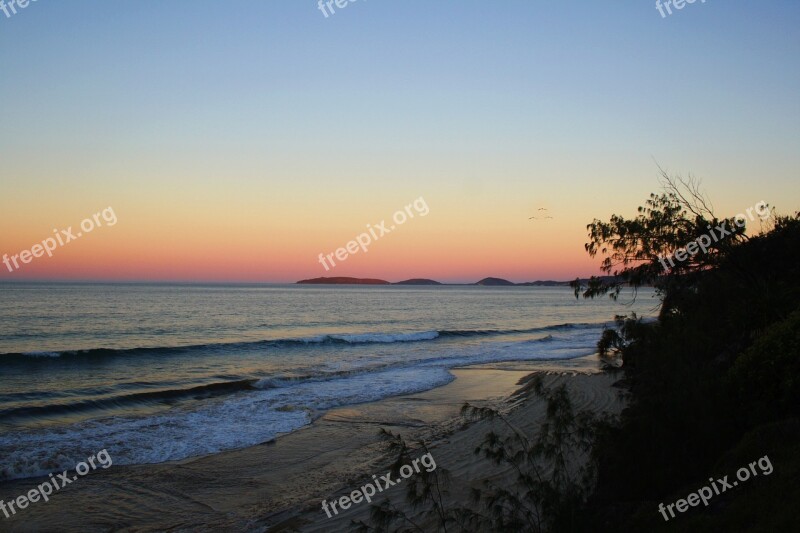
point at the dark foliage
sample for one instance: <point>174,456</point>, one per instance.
<point>722,360</point>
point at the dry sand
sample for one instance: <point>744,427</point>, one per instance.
<point>279,486</point>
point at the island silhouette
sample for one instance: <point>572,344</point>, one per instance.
<point>486,282</point>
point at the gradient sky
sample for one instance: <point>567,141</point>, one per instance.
<point>237,140</point>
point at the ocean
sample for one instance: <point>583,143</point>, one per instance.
<point>156,372</point>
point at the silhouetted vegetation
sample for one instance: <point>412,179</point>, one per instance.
<point>710,385</point>
<point>720,366</point>
<point>554,470</point>
<point>553,474</point>
<point>426,493</point>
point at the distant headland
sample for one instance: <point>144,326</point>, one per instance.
<point>343,281</point>
<point>487,282</point>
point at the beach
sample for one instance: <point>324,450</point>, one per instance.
<point>410,267</point>
<point>280,485</point>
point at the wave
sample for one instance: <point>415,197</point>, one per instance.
<point>206,428</point>
<point>327,339</point>
<point>486,332</point>
<point>136,399</point>
<point>107,400</point>
<point>244,412</point>
<point>40,354</point>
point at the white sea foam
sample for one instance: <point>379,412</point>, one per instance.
<point>243,420</point>
<point>388,337</point>
<point>282,403</point>
<point>42,354</point>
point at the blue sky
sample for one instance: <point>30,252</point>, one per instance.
<point>566,103</point>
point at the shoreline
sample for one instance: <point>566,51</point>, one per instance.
<point>280,484</point>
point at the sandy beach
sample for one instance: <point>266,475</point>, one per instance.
<point>279,485</point>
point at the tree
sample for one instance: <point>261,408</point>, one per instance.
<point>641,251</point>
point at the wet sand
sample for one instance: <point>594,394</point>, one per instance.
<point>280,485</point>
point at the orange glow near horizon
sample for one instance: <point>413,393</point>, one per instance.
<point>246,245</point>
<point>248,236</point>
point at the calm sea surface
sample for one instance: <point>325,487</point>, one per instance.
<point>154,373</point>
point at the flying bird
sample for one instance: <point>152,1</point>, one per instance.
<point>537,218</point>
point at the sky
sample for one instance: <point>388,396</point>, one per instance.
<point>239,140</point>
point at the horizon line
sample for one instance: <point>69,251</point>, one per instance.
<point>243,282</point>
